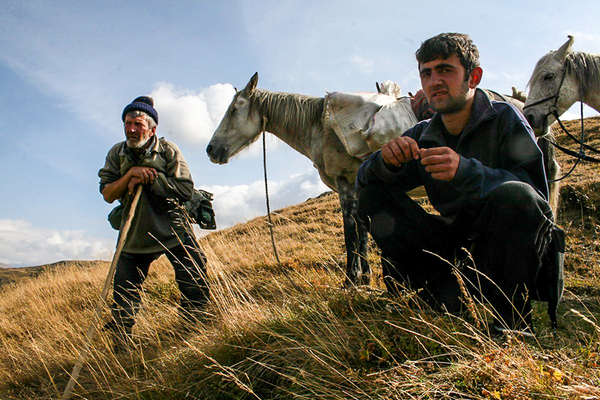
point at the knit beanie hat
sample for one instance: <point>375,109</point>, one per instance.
<point>142,103</point>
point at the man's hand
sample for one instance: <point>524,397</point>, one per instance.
<point>440,162</point>
<point>146,175</point>
<point>133,182</point>
<point>140,175</point>
<point>400,150</point>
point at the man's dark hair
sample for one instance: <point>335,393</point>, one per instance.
<point>446,44</point>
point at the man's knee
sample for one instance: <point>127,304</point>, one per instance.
<point>514,193</point>
<point>516,199</point>
<point>369,199</point>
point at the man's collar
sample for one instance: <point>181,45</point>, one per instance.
<point>481,111</point>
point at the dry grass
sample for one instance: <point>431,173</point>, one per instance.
<point>289,331</point>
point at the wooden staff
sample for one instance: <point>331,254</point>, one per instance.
<point>91,332</point>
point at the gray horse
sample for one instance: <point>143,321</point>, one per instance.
<point>561,78</point>
<point>298,120</point>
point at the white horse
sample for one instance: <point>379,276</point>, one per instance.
<point>298,120</point>
<point>559,79</point>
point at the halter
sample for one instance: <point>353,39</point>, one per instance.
<point>552,96</point>
<point>554,111</point>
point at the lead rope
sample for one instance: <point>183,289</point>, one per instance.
<point>270,223</point>
<point>582,146</point>
<point>264,124</point>
<point>579,156</point>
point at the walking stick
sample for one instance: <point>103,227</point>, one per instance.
<point>91,332</point>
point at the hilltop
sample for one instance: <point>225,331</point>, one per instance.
<point>289,331</point>
<point>11,275</point>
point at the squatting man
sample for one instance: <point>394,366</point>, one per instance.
<point>482,171</point>
<point>157,227</point>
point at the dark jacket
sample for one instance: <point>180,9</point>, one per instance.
<point>155,218</point>
<point>497,145</point>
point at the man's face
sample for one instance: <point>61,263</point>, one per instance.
<point>443,81</point>
<point>137,131</point>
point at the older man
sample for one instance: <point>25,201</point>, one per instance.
<point>157,227</point>
<point>484,174</point>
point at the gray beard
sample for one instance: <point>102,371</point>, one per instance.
<point>137,144</point>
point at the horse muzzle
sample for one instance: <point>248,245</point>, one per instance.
<point>217,154</point>
<point>537,122</point>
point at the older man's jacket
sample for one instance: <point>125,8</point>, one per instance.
<point>157,222</point>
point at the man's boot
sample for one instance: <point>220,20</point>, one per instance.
<point>120,335</point>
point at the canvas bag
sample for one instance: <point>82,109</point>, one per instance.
<point>349,115</point>
<point>200,209</point>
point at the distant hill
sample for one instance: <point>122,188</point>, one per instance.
<point>9,275</point>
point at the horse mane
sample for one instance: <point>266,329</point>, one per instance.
<point>586,68</point>
<point>294,111</point>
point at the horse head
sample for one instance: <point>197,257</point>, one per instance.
<point>551,89</point>
<point>241,125</point>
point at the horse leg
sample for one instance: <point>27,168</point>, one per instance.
<point>552,170</point>
<point>355,236</point>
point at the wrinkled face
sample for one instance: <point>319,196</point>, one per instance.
<point>137,131</point>
<point>444,84</point>
<point>239,127</point>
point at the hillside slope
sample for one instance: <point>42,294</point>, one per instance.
<point>289,331</point>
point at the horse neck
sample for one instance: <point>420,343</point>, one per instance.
<point>586,71</point>
<point>293,118</point>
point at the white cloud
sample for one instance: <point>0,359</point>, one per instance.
<point>234,204</point>
<point>190,117</point>
<point>21,244</point>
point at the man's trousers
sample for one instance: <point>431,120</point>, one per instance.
<point>506,233</point>
<point>189,264</point>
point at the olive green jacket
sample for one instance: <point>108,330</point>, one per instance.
<point>155,218</point>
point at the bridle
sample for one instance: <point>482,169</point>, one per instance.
<point>554,111</point>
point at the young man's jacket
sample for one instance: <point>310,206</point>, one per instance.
<point>155,218</point>
<point>497,145</point>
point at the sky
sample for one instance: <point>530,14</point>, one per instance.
<point>68,68</point>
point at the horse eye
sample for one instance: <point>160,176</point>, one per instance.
<point>548,77</point>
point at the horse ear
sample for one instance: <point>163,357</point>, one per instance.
<point>565,49</point>
<point>251,83</point>
<point>377,86</point>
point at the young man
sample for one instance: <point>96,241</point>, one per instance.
<point>483,173</point>
<point>157,227</point>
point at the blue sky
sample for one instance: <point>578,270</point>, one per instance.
<point>68,68</point>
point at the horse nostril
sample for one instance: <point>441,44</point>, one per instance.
<point>208,149</point>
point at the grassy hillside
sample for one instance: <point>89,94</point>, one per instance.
<point>10,275</point>
<point>289,331</point>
